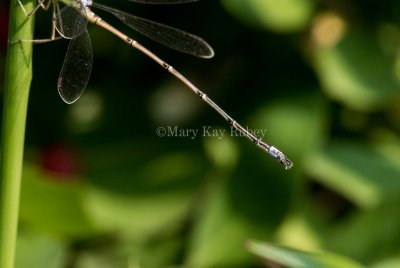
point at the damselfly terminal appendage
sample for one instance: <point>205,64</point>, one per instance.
<point>71,23</point>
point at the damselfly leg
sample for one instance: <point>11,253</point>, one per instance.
<point>45,7</point>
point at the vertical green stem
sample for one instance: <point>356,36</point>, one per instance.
<point>16,91</point>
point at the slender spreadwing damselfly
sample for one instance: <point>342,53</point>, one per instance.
<point>71,23</point>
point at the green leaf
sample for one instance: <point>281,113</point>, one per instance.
<point>388,263</point>
<point>367,236</point>
<point>356,72</point>
<point>137,215</point>
<point>54,206</point>
<point>250,204</point>
<point>140,199</point>
<point>366,175</point>
<point>298,259</point>
<point>150,172</point>
<point>218,235</point>
<point>36,250</point>
<point>280,16</point>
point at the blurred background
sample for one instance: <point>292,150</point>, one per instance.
<point>102,189</point>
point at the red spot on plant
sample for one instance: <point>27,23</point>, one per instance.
<point>62,160</point>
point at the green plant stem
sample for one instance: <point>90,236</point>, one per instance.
<point>18,77</point>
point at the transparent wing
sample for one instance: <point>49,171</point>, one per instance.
<point>163,1</point>
<point>166,35</point>
<point>76,68</point>
<point>69,21</point>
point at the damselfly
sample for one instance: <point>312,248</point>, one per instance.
<point>71,22</point>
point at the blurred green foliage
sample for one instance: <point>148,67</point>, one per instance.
<point>101,189</point>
